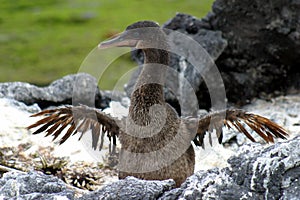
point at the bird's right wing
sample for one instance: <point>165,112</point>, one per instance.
<point>76,119</point>
<point>237,119</point>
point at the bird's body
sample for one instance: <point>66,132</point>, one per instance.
<point>179,168</point>
<point>155,141</point>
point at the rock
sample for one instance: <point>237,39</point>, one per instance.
<point>254,173</point>
<point>262,56</point>
<point>272,171</point>
<point>131,188</point>
<point>257,55</point>
<point>74,89</point>
<point>33,185</point>
<point>211,40</point>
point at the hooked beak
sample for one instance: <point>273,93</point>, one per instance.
<point>118,41</point>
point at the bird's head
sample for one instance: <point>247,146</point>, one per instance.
<point>139,35</point>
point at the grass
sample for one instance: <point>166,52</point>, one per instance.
<point>41,41</point>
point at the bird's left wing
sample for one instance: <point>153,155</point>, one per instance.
<point>76,119</point>
<point>237,119</point>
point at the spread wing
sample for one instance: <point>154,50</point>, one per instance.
<point>237,119</point>
<point>76,119</point>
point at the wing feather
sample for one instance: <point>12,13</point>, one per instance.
<point>76,119</point>
<point>238,119</point>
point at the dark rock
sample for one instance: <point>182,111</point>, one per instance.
<point>33,185</point>
<point>74,89</point>
<point>292,177</point>
<point>210,40</point>
<point>131,188</point>
<point>256,46</point>
<point>263,52</point>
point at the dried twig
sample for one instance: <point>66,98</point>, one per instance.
<point>9,169</point>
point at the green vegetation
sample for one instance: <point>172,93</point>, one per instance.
<point>42,40</point>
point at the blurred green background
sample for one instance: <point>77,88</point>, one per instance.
<point>43,40</point>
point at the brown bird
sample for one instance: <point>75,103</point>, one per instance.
<point>156,144</point>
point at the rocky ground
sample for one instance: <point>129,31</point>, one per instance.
<point>253,170</point>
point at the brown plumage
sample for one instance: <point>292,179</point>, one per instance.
<point>152,128</point>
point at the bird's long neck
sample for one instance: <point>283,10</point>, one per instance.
<point>149,86</point>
